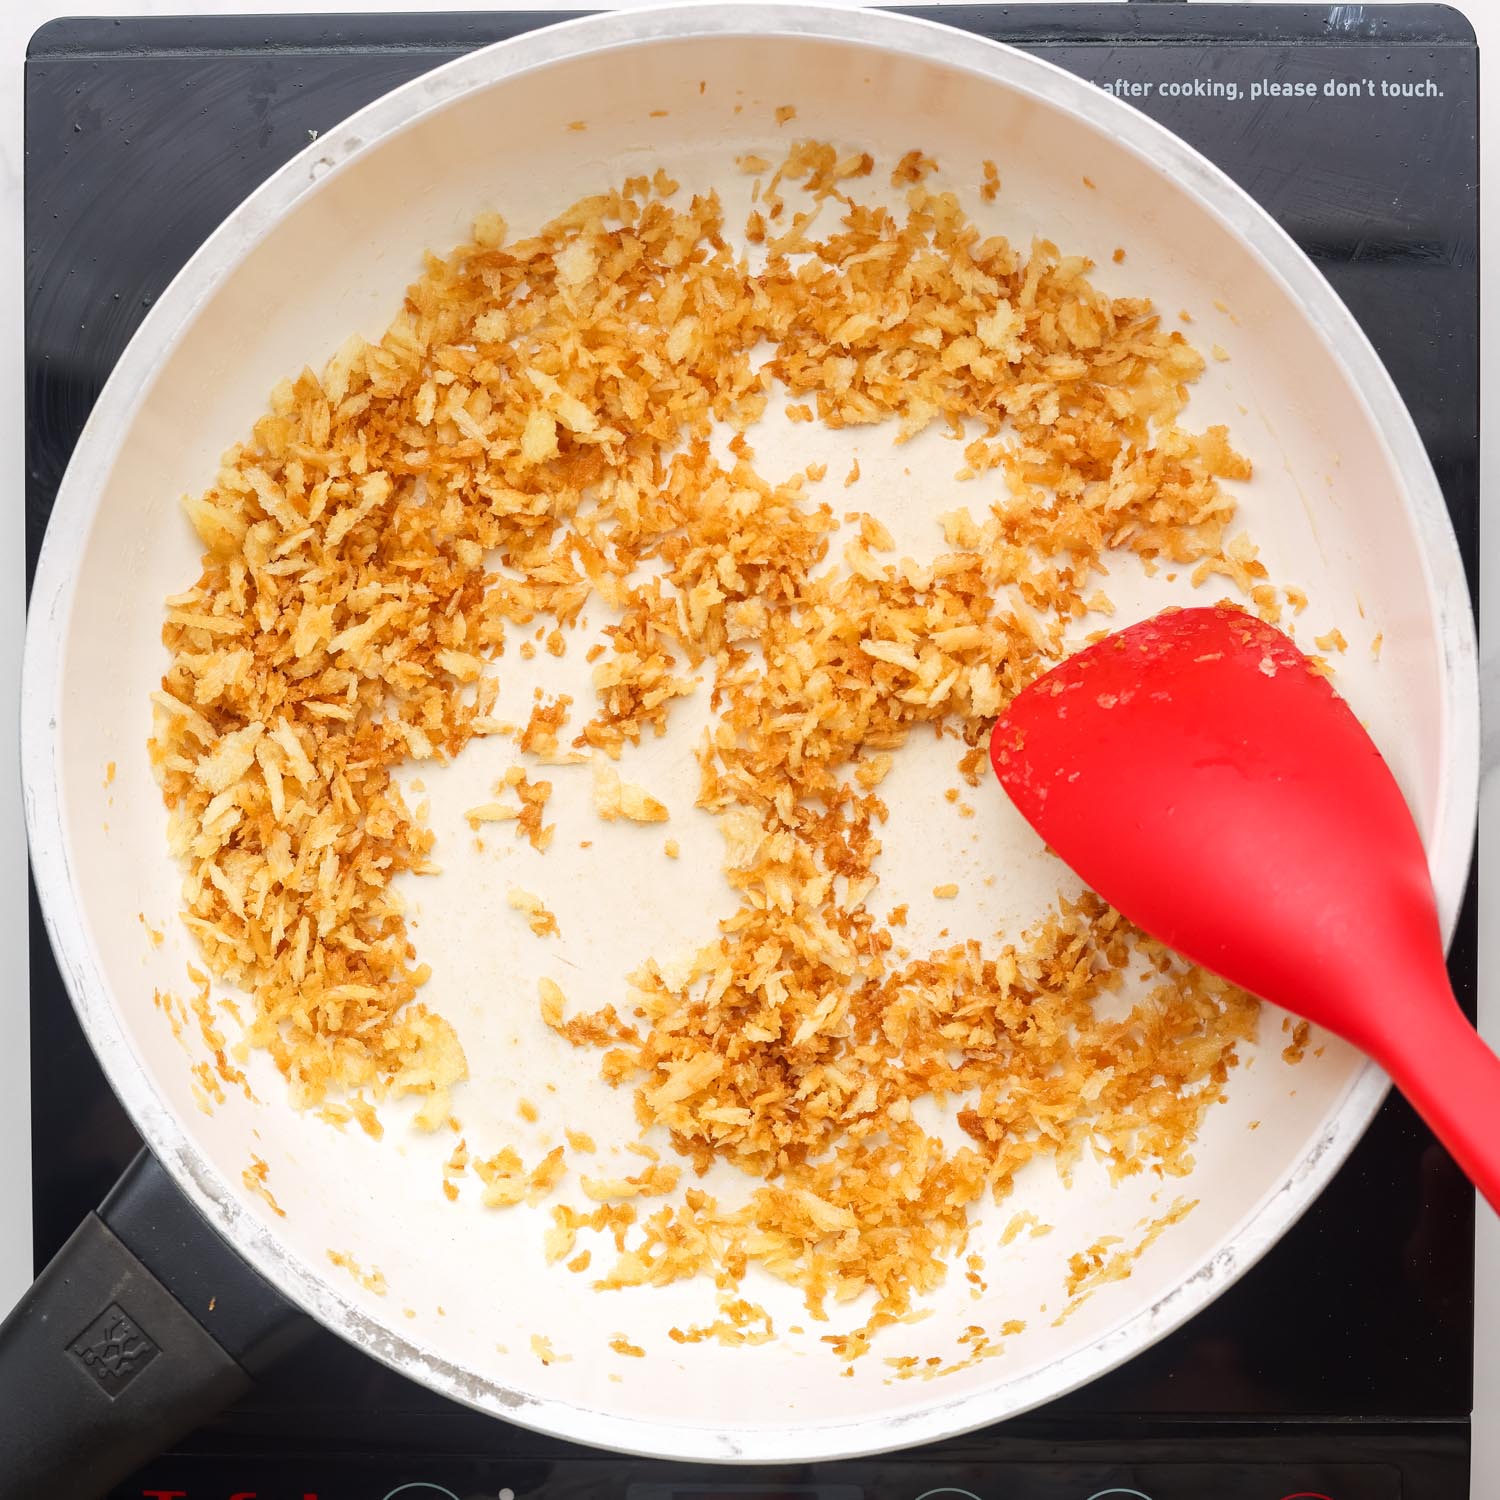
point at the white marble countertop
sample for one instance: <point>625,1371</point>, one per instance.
<point>18,20</point>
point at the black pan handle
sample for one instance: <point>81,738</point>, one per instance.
<point>144,1325</point>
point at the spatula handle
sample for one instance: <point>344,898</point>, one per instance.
<point>1452,1079</point>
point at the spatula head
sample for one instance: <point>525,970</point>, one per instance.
<point>1204,778</point>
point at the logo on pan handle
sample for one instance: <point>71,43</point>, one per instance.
<point>113,1350</point>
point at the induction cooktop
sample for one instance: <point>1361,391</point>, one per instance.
<point>1340,1366</point>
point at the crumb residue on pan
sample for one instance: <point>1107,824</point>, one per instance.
<point>531,436</point>
<point>1101,1263</point>
<point>541,1346</point>
<point>255,1178</point>
<point>1296,1049</point>
<point>372,1280</point>
<point>541,921</point>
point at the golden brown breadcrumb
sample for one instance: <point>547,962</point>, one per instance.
<point>531,433</point>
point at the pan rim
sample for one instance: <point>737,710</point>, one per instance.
<point>79,497</point>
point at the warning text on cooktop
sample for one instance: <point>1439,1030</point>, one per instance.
<point>1235,91</point>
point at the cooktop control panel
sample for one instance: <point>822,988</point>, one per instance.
<point>883,1479</point>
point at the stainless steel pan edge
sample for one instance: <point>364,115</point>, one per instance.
<point>220,1199</point>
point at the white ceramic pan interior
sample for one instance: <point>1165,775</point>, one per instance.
<point>1343,504</point>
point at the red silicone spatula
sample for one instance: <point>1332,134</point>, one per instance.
<point>1203,779</point>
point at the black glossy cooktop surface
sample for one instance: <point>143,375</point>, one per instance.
<point>1339,1366</point>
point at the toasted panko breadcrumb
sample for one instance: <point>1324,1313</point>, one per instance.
<point>539,736</point>
<point>1296,1049</point>
<point>614,798</point>
<point>552,1002</point>
<point>254,1178</point>
<point>533,795</point>
<point>549,402</point>
<point>372,1280</point>
<point>506,1181</point>
<point>1090,1269</point>
<point>541,921</point>
<point>652,1183</point>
